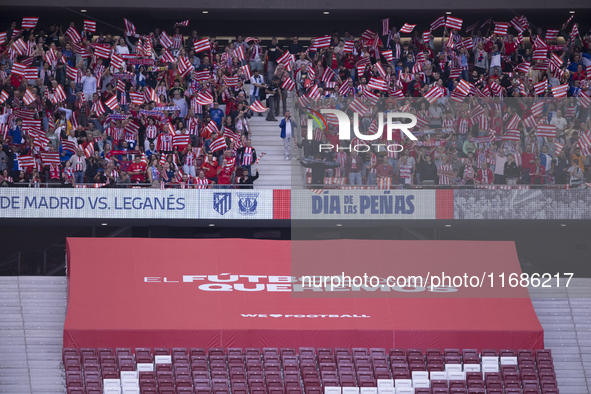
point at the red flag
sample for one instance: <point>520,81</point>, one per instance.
<point>437,23</point>
<point>74,35</point>
<point>322,42</point>
<point>288,84</point>
<point>182,24</point>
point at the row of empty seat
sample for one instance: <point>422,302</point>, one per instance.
<point>309,371</point>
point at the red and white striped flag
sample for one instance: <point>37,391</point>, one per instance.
<point>560,91</point>
<point>26,161</point>
<point>540,87</point>
<point>89,26</point>
<point>511,135</point>
<point>246,71</point>
<point>59,95</point>
<point>344,89</point>
<point>31,74</point>
<point>2,38</point>
<point>201,75</point>
<point>257,107</point>
<point>89,150</point>
<point>378,84</point>
<point>388,55</point>
<point>584,100</point>
<point>184,66</point>
<point>167,57</point>
<point>165,40</point>
<point>239,53</point>
<point>501,28</point>
<point>102,51</point>
<point>219,143</point>
<point>558,147</point>
<point>69,146</point>
<point>555,61</point>
<point>20,47</point>
<point>453,23</point>
<point>372,97</point>
<point>551,34</point>
<point>385,26</point>
<point>348,48</point>
<point>304,101</point>
<point>129,28</point>
<point>434,93</point>
<point>407,28</point>
<point>285,58</point>
<point>437,23</point>
<point>74,35</point>
<point>468,43</point>
<point>328,75</point>
<point>530,122</point>
<point>182,24</point>
<point>522,68</point>
<point>231,81</point>
<point>29,22</point>
<point>201,45</point>
<point>3,97</point>
<point>359,107</point>
<point>73,73</point>
<point>136,98</point>
<point>29,97</point>
<point>288,84</point>
<point>112,103</point>
<point>322,42</point>
<point>546,130</point>
<point>204,98</point>
<point>314,93</point>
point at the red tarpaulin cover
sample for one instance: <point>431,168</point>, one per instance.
<point>236,293</point>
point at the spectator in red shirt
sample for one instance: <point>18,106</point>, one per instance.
<point>137,170</point>
<point>537,172</point>
<point>210,167</point>
<point>224,175</point>
<point>528,159</point>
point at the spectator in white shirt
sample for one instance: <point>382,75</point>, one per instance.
<point>559,121</point>
<point>121,48</point>
<point>88,85</point>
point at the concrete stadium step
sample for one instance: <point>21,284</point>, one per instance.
<point>32,314</point>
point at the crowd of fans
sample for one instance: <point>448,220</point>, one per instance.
<point>497,103</point>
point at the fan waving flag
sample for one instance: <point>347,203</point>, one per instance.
<point>322,42</point>
<point>388,55</point>
<point>201,45</point>
<point>437,23</point>
<point>167,57</point>
<point>407,28</point>
<point>426,37</point>
<point>184,66</point>
<point>29,97</point>
<point>328,75</point>
<point>59,94</point>
<point>29,22</point>
<point>90,26</point>
<point>385,26</point>
<point>136,98</point>
<point>201,75</point>
<point>3,97</point>
<point>348,48</point>
<point>453,23</point>
<point>239,53</point>
<point>378,84</point>
<point>129,28</point>
<point>257,107</point>
<point>102,51</point>
<point>551,34</point>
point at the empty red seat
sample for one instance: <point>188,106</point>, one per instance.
<point>327,367</point>
<point>530,384</point>
<point>460,384</point>
<point>166,390</point>
<point>489,353</point>
<point>439,384</point>
<point>325,359</point>
<point>187,390</point>
<point>377,352</point>
<point>547,376</point>
<point>543,353</point>
<point>414,352</point>
<point>475,384</point>
<point>397,352</point>
<point>477,391</point>
<point>148,383</point>
<point>507,353</point>
<point>434,352</point>
<point>324,352</point>
<point>422,390</point>
<point>342,352</point>
<point>458,391</point>
<point>271,351</point>
<point>76,390</point>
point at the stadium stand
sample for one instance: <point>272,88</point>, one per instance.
<point>483,93</point>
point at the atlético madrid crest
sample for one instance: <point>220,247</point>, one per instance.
<point>222,202</point>
<point>247,203</point>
